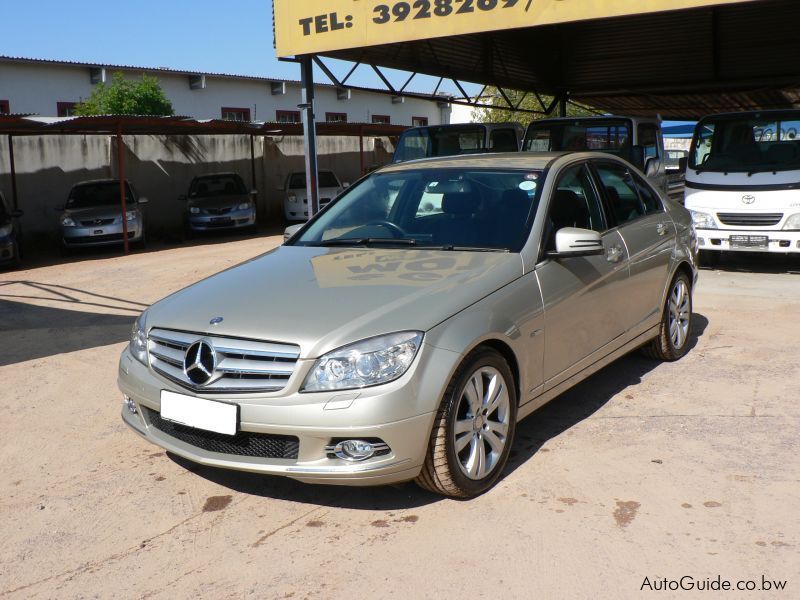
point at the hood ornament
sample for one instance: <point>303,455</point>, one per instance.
<point>748,199</point>
<point>216,321</point>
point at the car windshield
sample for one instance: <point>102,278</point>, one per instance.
<point>440,141</point>
<point>96,194</point>
<point>606,136</point>
<point>218,185</point>
<point>746,144</point>
<point>327,179</point>
<point>450,209</point>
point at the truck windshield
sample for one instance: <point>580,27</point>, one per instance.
<point>425,142</point>
<point>578,135</point>
<point>746,144</point>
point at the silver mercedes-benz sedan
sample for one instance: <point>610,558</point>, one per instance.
<point>404,331</point>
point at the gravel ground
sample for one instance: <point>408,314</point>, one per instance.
<point>645,471</point>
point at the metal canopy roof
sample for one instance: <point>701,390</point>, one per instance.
<point>148,125</point>
<point>683,64</point>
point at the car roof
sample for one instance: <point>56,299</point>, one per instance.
<point>508,160</point>
<point>96,181</point>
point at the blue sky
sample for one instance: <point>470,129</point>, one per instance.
<point>198,35</point>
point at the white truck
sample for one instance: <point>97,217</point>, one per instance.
<point>743,183</point>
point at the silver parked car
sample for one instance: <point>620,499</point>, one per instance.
<point>404,331</point>
<point>219,201</point>
<point>93,215</point>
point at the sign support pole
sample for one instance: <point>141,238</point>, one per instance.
<point>309,132</point>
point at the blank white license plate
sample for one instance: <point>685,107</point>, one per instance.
<point>199,413</point>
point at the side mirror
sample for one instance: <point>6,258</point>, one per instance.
<point>182,198</point>
<point>143,201</point>
<point>682,162</point>
<point>16,214</point>
<point>291,230</point>
<point>573,241</point>
<point>637,156</point>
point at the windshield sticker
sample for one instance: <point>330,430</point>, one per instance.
<point>531,176</point>
<point>527,186</point>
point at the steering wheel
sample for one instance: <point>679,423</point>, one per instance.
<point>396,230</point>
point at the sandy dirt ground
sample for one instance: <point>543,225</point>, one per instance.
<point>646,470</point>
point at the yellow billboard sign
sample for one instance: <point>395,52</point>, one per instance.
<point>318,26</point>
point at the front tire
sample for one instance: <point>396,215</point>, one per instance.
<point>473,429</point>
<point>676,323</point>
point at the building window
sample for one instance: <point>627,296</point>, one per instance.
<point>419,121</point>
<point>287,116</point>
<point>5,109</point>
<point>235,114</point>
<point>66,109</point>
<point>381,119</point>
<point>336,117</point>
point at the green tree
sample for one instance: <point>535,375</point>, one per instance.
<point>126,97</point>
<point>529,102</point>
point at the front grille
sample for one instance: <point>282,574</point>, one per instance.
<point>244,443</point>
<point>242,365</point>
<point>97,222</point>
<point>93,239</point>
<point>750,219</point>
<point>217,211</point>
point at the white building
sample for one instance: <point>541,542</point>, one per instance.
<point>52,88</point>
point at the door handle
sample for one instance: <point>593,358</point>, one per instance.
<point>662,229</point>
<point>614,254</point>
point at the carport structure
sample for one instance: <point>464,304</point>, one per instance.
<point>682,59</point>
<point>121,125</point>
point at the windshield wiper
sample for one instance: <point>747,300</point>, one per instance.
<point>365,242</point>
<point>452,248</point>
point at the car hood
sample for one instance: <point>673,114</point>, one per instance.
<point>218,201</point>
<point>324,298</point>
<point>96,212</point>
<point>330,192</point>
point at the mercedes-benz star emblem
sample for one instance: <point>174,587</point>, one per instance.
<point>216,321</point>
<point>748,199</point>
<point>200,362</point>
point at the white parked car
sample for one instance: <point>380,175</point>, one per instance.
<point>295,200</point>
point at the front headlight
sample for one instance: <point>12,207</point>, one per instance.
<point>5,230</point>
<point>138,343</point>
<point>130,215</point>
<point>369,362</point>
<point>243,206</point>
<point>792,222</point>
<point>194,210</point>
<point>67,222</point>
<point>292,197</point>
<point>703,220</point>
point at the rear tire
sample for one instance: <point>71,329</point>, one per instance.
<point>676,322</point>
<point>473,429</point>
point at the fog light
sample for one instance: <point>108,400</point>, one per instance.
<point>130,404</point>
<point>354,450</point>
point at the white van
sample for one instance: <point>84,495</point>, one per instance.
<point>743,182</point>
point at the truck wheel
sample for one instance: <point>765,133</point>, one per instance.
<point>676,323</point>
<point>473,429</point>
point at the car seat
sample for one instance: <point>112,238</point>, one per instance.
<point>459,225</point>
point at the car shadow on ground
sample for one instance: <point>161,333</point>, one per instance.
<point>30,331</point>
<point>48,254</point>
<point>553,419</point>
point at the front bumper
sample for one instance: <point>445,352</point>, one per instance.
<point>232,220</point>
<point>720,240</point>
<point>399,414</point>
<point>101,235</point>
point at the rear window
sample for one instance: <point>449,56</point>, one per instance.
<point>441,141</point>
